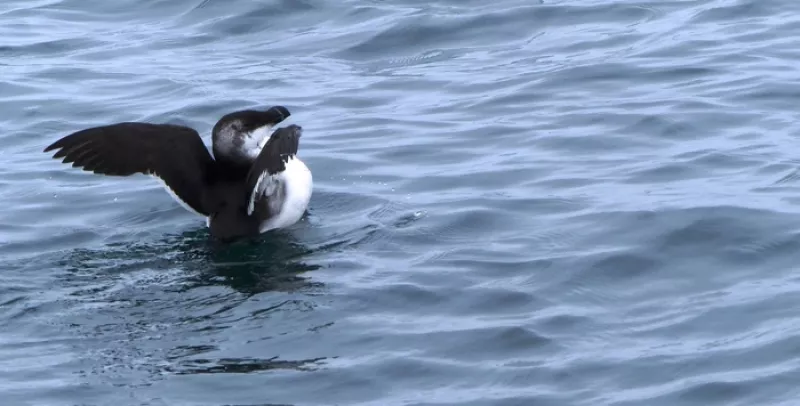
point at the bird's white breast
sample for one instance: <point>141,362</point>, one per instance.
<point>298,184</point>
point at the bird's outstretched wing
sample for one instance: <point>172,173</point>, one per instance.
<point>263,179</point>
<point>175,154</point>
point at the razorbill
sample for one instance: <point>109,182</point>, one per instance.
<point>255,181</point>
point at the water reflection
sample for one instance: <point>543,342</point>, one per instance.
<point>165,306</point>
<point>244,365</point>
<point>271,262</point>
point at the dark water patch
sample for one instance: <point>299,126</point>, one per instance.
<point>728,12</point>
<point>255,19</point>
<point>47,48</point>
<point>241,366</point>
<point>664,173</point>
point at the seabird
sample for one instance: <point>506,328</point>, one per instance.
<point>255,181</point>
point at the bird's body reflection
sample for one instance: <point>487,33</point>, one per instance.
<point>269,262</point>
<point>188,293</point>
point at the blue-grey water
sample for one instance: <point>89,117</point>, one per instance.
<point>516,203</point>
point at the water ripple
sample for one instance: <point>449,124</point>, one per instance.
<point>515,203</point>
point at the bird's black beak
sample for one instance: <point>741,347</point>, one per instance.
<point>275,115</point>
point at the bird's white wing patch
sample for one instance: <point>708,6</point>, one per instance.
<point>266,185</point>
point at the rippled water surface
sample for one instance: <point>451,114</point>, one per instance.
<point>516,203</point>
